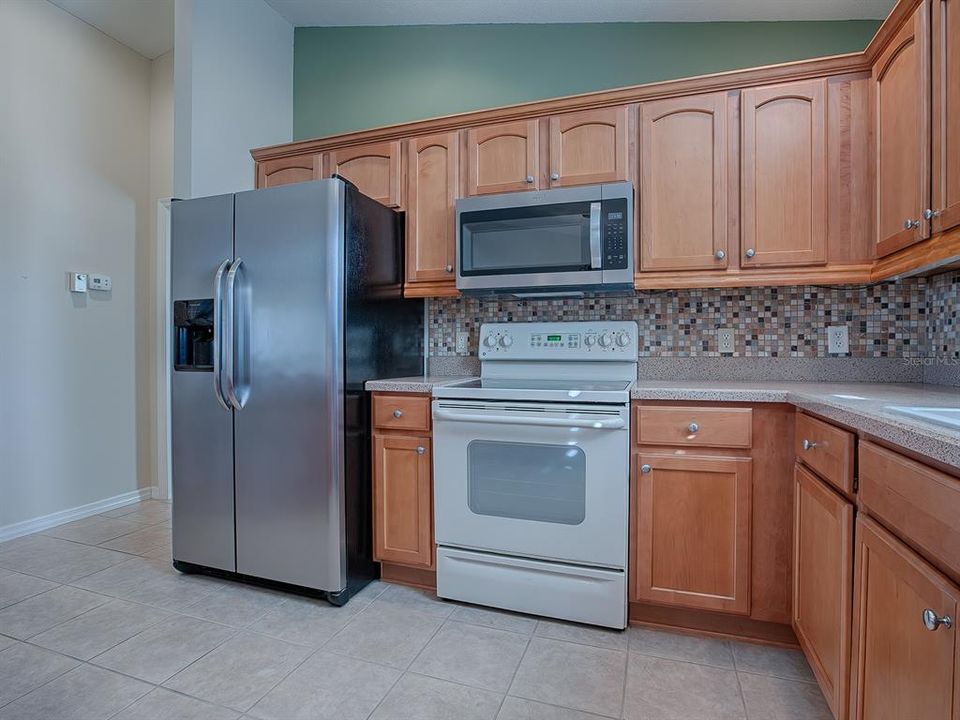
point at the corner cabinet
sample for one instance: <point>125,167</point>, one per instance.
<point>906,659</point>
<point>784,175</point>
<point>901,105</point>
<point>683,183</point>
<point>433,175</point>
<point>402,481</point>
<point>946,114</point>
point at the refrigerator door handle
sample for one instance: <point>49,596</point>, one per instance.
<point>217,329</point>
<point>230,359</point>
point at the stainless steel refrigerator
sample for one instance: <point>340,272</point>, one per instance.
<point>285,301</point>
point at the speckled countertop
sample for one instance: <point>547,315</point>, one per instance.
<point>862,406</point>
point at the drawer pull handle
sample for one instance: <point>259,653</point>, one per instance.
<point>420,450</point>
<point>910,224</point>
<point>529,178</point>
<point>932,621</point>
<point>398,413</point>
<point>807,445</point>
<point>645,469</point>
<point>693,427</point>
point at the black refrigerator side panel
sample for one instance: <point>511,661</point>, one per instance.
<point>201,427</point>
<point>383,338</point>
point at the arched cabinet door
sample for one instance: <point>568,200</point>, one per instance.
<point>901,97</point>
<point>283,171</point>
<point>784,175</point>
<point>589,147</point>
<point>374,169</point>
<point>946,115</point>
<point>503,158</point>
<point>683,183</point>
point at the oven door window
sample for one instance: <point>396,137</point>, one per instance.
<point>527,481</point>
<point>552,238</point>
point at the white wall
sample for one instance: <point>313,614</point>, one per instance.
<point>234,91</point>
<point>74,150</point>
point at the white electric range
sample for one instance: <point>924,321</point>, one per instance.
<point>531,471</point>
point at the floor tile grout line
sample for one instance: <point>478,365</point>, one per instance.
<point>513,677</point>
<point>778,677</point>
<point>626,679</point>
<point>59,675</point>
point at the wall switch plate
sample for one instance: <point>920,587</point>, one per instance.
<point>99,282</point>
<point>463,340</point>
<point>838,340</point>
<point>77,282</point>
<point>725,340</point>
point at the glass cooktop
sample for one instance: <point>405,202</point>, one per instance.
<point>530,384</point>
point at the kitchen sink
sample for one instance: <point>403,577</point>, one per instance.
<point>947,416</point>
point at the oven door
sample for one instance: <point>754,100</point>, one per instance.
<point>535,480</point>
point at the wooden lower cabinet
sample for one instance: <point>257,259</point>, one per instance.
<point>693,531</point>
<point>823,583</point>
<point>901,668</point>
<point>402,500</point>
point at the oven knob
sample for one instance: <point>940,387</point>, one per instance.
<point>623,339</point>
<point>606,340</point>
<point>506,341</point>
<point>490,341</point>
<point>590,340</point>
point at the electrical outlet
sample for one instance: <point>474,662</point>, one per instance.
<point>725,340</point>
<point>463,340</point>
<point>838,340</point>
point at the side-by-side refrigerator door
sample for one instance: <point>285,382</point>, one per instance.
<point>286,375</point>
<point>202,421</point>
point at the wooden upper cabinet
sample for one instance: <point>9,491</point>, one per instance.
<point>589,147</point>
<point>283,171</point>
<point>901,97</point>
<point>503,158</point>
<point>402,500</point>
<point>432,182</point>
<point>374,169</point>
<point>784,175</point>
<point>693,531</point>
<point>823,584</point>
<point>946,114</point>
<point>901,668</point>
<point>683,183</point>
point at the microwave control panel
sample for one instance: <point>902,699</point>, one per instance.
<point>615,236</point>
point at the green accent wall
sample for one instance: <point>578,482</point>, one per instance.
<point>351,78</point>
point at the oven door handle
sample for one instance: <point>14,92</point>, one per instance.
<point>616,423</point>
<point>596,256</point>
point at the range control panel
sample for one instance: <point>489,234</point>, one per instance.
<point>559,341</point>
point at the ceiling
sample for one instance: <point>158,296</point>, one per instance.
<point>145,26</point>
<point>443,12</point>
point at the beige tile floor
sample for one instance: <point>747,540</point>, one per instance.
<point>95,623</point>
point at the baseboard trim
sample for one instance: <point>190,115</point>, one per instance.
<point>45,522</point>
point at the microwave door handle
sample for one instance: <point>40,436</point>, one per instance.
<point>596,254</point>
<point>616,423</point>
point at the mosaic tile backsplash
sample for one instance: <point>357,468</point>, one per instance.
<point>913,318</point>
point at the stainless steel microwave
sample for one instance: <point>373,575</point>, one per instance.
<point>546,242</point>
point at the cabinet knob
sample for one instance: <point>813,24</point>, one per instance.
<point>693,427</point>
<point>420,450</point>
<point>529,178</point>
<point>645,469</point>
<point>807,445</point>
<point>554,176</point>
<point>449,268</point>
<point>909,224</point>
<point>930,214</point>
<point>932,621</point>
<point>398,413</point>
<point>719,254</point>
<point>750,252</point>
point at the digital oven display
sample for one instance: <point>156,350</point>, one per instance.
<point>554,338</point>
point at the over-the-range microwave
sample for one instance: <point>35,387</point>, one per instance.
<point>566,240</point>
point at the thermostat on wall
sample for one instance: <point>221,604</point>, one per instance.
<point>100,282</point>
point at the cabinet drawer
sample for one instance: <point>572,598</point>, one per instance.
<point>827,450</point>
<point>920,503</point>
<point>401,412</point>
<point>695,426</point>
